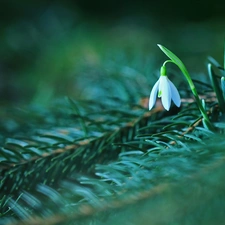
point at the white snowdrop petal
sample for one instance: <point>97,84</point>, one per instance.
<point>166,92</point>
<point>153,94</point>
<point>175,94</point>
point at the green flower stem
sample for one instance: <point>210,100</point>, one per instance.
<point>178,62</point>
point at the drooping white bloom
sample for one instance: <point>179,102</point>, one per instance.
<point>167,91</point>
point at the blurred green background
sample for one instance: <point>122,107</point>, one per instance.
<point>50,49</point>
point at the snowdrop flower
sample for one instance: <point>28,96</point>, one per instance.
<point>166,90</point>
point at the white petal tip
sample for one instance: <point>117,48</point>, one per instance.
<point>177,102</point>
<point>150,105</point>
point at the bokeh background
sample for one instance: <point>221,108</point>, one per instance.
<point>50,49</point>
